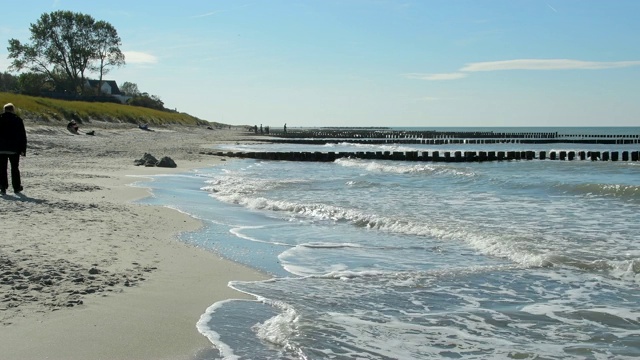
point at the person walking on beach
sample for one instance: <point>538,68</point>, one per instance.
<point>13,143</point>
<point>72,126</point>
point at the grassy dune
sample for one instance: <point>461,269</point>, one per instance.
<point>45,110</point>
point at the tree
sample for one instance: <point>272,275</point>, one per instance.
<point>32,83</point>
<point>129,89</point>
<point>148,101</point>
<point>143,99</point>
<point>107,50</point>
<point>8,82</point>
<point>67,43</point>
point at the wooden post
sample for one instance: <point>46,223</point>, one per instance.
<point>470,156</point>
<point>482,156</point>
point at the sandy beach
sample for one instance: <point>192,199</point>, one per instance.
<point>87,274</point>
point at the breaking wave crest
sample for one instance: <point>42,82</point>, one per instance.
<point>622,192</point>
<point>519,251</point>
<point>405,169</point>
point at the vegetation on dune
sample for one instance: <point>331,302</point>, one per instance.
<point>65,47</point>
<point>53,85</point>
<point>46,110</point>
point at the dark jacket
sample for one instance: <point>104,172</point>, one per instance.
<point>13,137</point>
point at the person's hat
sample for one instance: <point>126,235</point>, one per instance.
<point>8,107</point>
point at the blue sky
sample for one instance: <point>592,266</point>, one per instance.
<point>375,62</point>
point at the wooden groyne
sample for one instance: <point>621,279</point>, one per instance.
<point>437,156</point>
<point>446,141</point>
<point>382,136</point>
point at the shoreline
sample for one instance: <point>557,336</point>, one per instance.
<point>125,286</point>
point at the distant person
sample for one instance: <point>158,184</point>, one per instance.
<point>261,131</point>
<point>13,143</point>
<point>72,126</point>
<point>255,128</point>
<point>144,127</point>
<point>285,128</point>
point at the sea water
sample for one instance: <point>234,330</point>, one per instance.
<point>374,259</point>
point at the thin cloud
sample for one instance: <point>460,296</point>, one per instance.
<point>547,64</point>
<point>211,13</point>
<point>137,57</point>
<point>207,14</point>
<point>552,8</point>
<point>436,77</point>
<point>524,64</point>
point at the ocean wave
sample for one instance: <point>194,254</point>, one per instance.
<point>490,244</point>
<point>372,147</point>
<point>203,326</point>
<point>361,184</point>
<point>623,192</point>
<point>611,317</point>
<point>279,329</point>
<point>525,251</point>
<point>621,269</point>
<point>330,245</point>
<point>413,278</point>
<point>239,232</point>
<point>275,324</point>
<point>395,167</point>
<point>231,183</point>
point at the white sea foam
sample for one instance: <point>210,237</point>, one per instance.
<point>489,244</point>
<point>369,147</point>
<point>203,326</point>
<point>403,169</point>
<point>279,329</point>
<point>239,232</point>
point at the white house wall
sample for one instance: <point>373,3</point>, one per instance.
<point>105,89</point>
